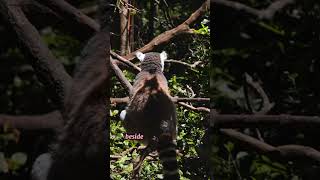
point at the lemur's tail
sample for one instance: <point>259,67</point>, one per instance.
<point>168,157</point>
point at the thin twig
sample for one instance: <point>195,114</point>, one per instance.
<point>267,105</point>
<point>200,109</point>
<point>195,64</point>
<point>267,13</point>
<point>259,89</point>
<point>192,95</point>
<point>177,99</point>
<point>125,61</point>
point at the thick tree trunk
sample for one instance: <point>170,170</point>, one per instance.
<point>124,26</point>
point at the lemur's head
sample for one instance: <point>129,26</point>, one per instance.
<point>152,61</point>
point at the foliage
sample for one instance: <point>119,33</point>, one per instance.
<point>11,163</point>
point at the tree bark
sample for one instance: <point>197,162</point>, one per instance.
<point>48,69</point>
<point>124,26</point>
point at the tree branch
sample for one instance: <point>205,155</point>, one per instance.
<point>121,77</point>
<point>195,64</point>
<point>177,99</point>
<point>125,61</point>
<point>124,100</point>
<point>51,120</point>
<point>285,151</point>
<point>90,10</point>
<point>174,99</point>
<point>50,71</point>
<point>240,121</point>
<point>200,109</point>
<point>36,13</point>
<point>124,26</point>
<point>168,35</point>
<point>267,105</point>
<point>75,18</point>
<point>267,13</point>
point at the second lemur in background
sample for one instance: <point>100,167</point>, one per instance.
<point>151,111</point>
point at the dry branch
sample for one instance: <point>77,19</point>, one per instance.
<point>124,27</point>
<point>177,99</point>
<point>90,10</point>
<point>174,99</point>
<point>285,151</point>
<point>195,64</point>
<point>124,100</point>
<point>267,105</point>
<point>168,35</point>
<point>50,71</point>
<point>125,61</point>
<point>121,77</point>
<point>240,120</point>
<point>36,13</point>
<point>75,18</point>
<point>200,109</point>
<point>51,120</point>
<point>54,119</point>
<point>267,13</point>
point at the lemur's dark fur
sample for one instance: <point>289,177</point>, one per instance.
<point>151,112</point>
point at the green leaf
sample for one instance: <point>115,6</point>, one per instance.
<point>17,160</point>
<point>241,155</point>
<point>229,146</point>
<point>4,167</point>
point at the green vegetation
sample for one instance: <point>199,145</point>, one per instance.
<point>184,80</point>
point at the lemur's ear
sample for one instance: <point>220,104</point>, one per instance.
<point>140,56</point>
<point>163,57</point>
<point>123,114</point>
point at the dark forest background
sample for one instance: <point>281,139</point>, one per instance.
<point>263,85</point>
<point>265,70</point>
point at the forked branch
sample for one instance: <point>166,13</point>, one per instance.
<point>168,35</point>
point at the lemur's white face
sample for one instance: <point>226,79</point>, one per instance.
<point>163,57</point>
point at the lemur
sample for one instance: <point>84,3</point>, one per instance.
<point>151,111</point>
